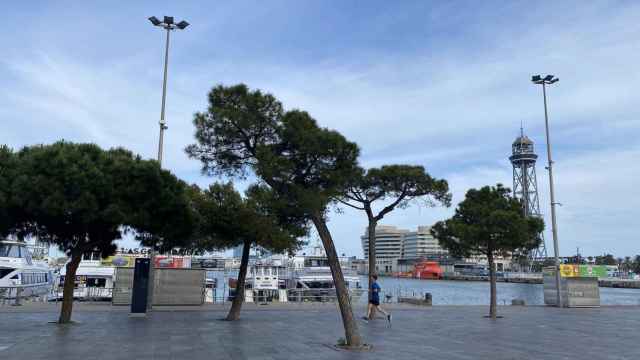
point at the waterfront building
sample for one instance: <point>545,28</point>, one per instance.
<point>394,244</point>
<point>389,241</point>
<point>421,244</point>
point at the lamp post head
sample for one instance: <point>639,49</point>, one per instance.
<point>182,24</point>
<point>154,20</point>
<point>168,23</point>
<point>548,79</point>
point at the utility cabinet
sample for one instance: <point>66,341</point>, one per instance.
<point>578,285</point>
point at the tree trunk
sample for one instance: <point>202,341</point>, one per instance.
<point>352,335</point>
<point>492,281</point>
<point>236,305</point>
<point>69,284</point>
<point>372,255</point>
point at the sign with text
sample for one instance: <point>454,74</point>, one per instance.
<point>572,270</point>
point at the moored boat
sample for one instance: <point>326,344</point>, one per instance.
<point>20,274</point>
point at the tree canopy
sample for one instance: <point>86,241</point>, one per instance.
<point>226,219</point>
<point>397,184</point>
<point>157,204</point>
<point>606,259</point>
<point>489,222</point>
<point>7,174</point>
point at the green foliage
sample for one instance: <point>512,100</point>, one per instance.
<point>400,184</point>
<point>310,165</point>
<point>227,220</point>
<point>606,259</point>
<point>488,221</point>
<point>81,197</point>
<point>635,266</point>
<point>576,260</point>
<point>157,204</point>
<point>7,174</point>
<point>237,122</point>
<point>247,130</point>
<point>67,192</point>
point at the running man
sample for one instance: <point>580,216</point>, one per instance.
<point>374,301</point>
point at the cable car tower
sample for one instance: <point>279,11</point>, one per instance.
<point>525,186</point>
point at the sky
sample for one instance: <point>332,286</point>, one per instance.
<point>443,84</point>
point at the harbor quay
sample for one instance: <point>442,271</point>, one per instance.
<point>310,331</point>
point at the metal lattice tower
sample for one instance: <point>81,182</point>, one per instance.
<point>525,186</point>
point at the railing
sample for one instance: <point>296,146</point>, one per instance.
<point>86,293</point>
<point>292,295</point>
<point>522,275</point>
<point>17,294</point>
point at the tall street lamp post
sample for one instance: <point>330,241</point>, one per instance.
<point>168,24</point>
<point>544,81</point>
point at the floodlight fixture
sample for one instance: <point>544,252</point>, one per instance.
<point>182,24</point>
<point>536,78</point>
<point>154,20</point>
<point>548,78</point>
<point>168,20</point>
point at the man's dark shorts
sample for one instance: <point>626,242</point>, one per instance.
<point>375,302</point>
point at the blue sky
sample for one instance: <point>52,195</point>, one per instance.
<point>442,84</point>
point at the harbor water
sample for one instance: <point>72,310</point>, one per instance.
<point>445,292</point>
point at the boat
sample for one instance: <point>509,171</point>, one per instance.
<point>310,276</point>
<point>94,277</point>
<point>403,274</point>
<point>428,270</point>
<point>20,275</point>
<point>298,278</point>
<point>266,281</point>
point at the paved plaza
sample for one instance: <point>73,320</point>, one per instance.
<point>307,331</point>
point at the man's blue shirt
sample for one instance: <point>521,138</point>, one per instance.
<point>375,288</point>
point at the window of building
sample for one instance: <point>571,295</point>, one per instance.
<point>5,272</point>
<point>96,282</point>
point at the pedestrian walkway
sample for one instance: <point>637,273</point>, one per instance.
<point>307,331</point>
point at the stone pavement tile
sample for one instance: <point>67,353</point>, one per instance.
<point>308,332</point>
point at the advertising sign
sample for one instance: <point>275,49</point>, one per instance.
<point>175,262</point>
<point>593,271</point>
<point>571,270</point>
<point>119,261</point>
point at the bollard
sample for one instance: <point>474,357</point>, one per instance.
<point>18,294</point>
<point>428,299</point>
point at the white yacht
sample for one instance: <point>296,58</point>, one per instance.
<point>20,274</point>
<point>94,279</point>
<point>311,276</point>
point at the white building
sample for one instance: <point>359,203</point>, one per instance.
<point>393,243</point>
<point>421,244</point>
<point>389,241</point>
